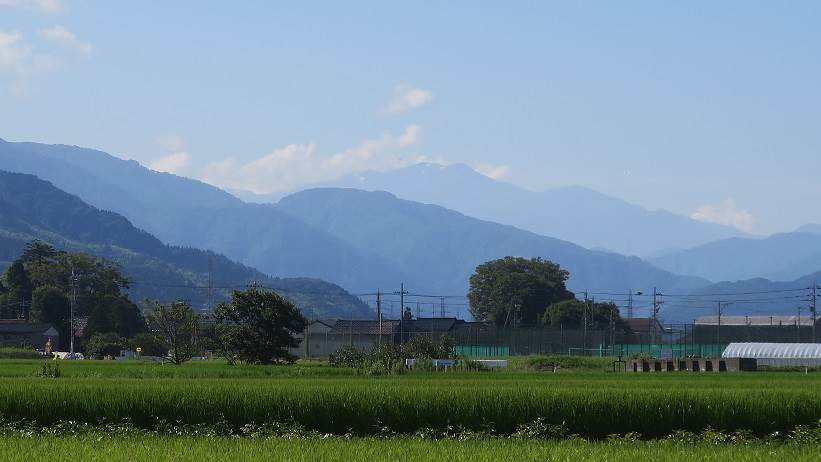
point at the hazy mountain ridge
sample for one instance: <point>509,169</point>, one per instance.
<point>576,214</point>
<point>357,239</point>
<point>34,209</point>
<point>440,248</point>
<point>186,212</point>
<point>756,296</point>
<point>780,257</point>
<point>813,228</point>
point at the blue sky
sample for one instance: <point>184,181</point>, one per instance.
<point>708,109</point>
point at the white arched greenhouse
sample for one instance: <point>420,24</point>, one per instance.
<point>777,354</point>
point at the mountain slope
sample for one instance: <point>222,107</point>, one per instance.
<point>782,257</point>
<point>813,228</point>
<point>757,296</point>
<point>181,211</point>
<point>387,241</point>
<point>34,209</point>
<point>437,249</point>
<point>575,214</point>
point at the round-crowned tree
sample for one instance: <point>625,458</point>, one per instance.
<point>258,326</point>
<point>515,290</point>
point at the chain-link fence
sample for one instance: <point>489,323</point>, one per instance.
<point>482,340</point>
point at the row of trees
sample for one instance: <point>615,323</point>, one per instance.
<point>255,326</point>
<point>39,286</point>
<point>515,291</point>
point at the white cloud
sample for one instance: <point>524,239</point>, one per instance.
<point>172,163</point>
<point>725,213</point>
<point>42,6</point>
<point>407,98</point>
<point>19,64</point>
<point>289,167</point>
<point>177,159</point>
<point>66,39</point>
<point>497,172</point>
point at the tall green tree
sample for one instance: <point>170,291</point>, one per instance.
<point>175,326</point>
<point>100,290</point>
<point>115,314</point>
<point>570,314</point>
<point>259,326</point>
<point>18,296</point>
<point>50,304</point>
<point>515,290</point>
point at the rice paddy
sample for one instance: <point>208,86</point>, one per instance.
<point>590,405</point>
<point>567,415</point>
<point>100,448</point>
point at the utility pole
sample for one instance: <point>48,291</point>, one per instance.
<point>402,292</point>
<point>630,304</point>
<point>442,307</point>
<point>812,310</point>
<point>721,306</point>
<point>379,315</point>
<point>612,327</point>
<point>210,284</point>
<point>71,316</point>
<point>584,323</point>
<point>656,306</point>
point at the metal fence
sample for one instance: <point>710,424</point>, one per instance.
<point>478,340</point>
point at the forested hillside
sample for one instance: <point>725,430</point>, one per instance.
<point>32,209</point>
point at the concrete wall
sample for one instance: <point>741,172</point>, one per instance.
<point>690,365</point>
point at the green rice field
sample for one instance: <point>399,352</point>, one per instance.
<point>99,448</point>
<point>319,399</point>
<point>582,412</point>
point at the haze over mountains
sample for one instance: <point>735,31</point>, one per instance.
<point>31,209</point>
<point>367,240</point>
<point>181,211</point>
<point>438,249</point>
<point>781,257</point>
<point>757,296</point>
<point>576,214</point>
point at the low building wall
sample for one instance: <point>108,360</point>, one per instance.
<point>691,365</point>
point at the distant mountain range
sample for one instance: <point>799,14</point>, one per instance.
<point>31,208</point>
<point>757,296</point>
<point>387,240</point>
<point>367,240</point>
<point>812,228</point>
<point>185,212</point>
<point>438,249</point>
<point>574,214</point>
<point>780,257</point>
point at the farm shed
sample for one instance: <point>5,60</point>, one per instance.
<point>776,354</point>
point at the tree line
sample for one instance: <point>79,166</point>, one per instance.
<point>255,326</point>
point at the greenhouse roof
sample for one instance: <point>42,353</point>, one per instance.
<point>772,350</point>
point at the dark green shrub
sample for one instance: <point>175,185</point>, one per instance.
<point>101,345</point>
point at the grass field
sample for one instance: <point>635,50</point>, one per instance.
<point>96,447</point>
<point>331,400</point>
